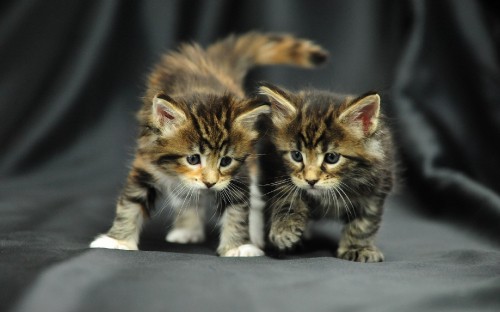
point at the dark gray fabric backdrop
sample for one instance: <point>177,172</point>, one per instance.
<point>71,77</point>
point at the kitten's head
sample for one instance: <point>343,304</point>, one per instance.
<point>202,140</point>
<point>326,140</point>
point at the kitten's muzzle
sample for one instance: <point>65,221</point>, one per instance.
<point>311,182</point>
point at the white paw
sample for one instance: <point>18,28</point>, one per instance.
<point>185,236</point>
<point>104,241</point>
<point>247,250</point>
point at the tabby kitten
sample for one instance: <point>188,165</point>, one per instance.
<point>197,133</point>
<point>327,155</point>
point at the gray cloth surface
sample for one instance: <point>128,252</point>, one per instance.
<point>430,266</point>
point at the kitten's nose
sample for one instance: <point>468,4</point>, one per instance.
<point>209,184</point>
<point>311,182</point>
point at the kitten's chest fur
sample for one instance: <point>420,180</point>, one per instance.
<point>335,205</point>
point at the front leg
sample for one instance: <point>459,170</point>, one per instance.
<point>356,243</point>
<point>288,223</point>
<point>235,235</point>
<point>134,203</point>
<point>188,226</point>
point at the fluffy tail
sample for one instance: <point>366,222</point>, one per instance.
<point>224,64</point>
<point>238,54</point>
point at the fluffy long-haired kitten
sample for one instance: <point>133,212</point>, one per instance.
<point>197,133</point>
<point>327,155</point>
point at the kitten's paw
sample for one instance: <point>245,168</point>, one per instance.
<point>185,236</point>
<point>247,250</point>
<point>285,237</point>
<point>361,254</point>
<point>104,241</point>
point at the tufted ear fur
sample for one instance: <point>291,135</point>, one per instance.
<point>248,118</point>
<point>362,114</point>
<point>166,113</point>
<point>282,109</point>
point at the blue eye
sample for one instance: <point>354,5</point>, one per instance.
<point>225,161</point>
<point>296,155</point>
<point>332,158</point>
<point>193,159</point>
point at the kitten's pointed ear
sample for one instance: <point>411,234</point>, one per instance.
<point>362,114</point>
<point>282,109</point>
<point>248,118</point>
<point>166,113</point>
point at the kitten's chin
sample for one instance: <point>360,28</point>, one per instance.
<point>314,191</point>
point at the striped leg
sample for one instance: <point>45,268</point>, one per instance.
<point>235,237</point>
<point>133,206</point>
<point>356,243</point>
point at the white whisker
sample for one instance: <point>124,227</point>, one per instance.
<point>350,203</point>
<point>293,198</point>
<point>348,212</point>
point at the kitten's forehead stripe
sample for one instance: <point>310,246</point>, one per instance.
<point>205,145</point>
<point>213,129</point>
<point>319,141</point>
<point>329,120</point>
<point>224,146</point>
<point>301,141</point>
<point>312,135</point>
<point>303,138</point>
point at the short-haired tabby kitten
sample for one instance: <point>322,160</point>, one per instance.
<point>327,155</point>
<point>197,130</point>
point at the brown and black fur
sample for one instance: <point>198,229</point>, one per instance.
<point>353,189</point>
<point>195,106</point>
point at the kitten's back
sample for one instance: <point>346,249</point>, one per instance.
<point>223,65</point>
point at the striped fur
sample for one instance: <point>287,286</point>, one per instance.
<point>328,155</point>
<point>197,136</point>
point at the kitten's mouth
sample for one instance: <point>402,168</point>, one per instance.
<point>313,190</point>
<point>308,188</point>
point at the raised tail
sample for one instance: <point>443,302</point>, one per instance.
<point>238,54</point>
<point>224,64</point>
